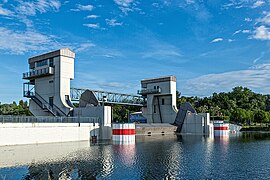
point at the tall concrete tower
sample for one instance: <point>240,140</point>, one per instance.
<point>161,99</point>
<point>49,83</point>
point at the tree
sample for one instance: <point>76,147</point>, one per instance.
<point>239,105</point>
<point>261,116</point>
<point>14,109</point>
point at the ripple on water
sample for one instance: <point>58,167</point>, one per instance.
<point>168,157</point>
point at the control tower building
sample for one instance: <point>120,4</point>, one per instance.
<point>160,96</point>
<point>48,85</point>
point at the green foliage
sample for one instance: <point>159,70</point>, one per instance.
<point>121,112</point>
<point>14,109</point>
<point>240,105</point>
<point>261,116</point>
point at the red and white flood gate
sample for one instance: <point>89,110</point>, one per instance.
<point>123,133</point>
<point>221,129</point>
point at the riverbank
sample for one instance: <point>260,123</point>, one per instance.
<point>255,128</point>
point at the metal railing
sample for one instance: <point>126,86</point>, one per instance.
<point>38,72</point>
<point>111,97</point>
<point>149,91</point>
<point>47,119</point>
<point>45,105</point>
<point>28,89</point>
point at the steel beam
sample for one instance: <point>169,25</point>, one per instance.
<point>111,97</point>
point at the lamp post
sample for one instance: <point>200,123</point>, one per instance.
<point>104,99</point>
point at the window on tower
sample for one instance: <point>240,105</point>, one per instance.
<point>42,63</point>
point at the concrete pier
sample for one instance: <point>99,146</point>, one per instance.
<point>155,129</point>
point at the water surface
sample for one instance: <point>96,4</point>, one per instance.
<point>241,156</point>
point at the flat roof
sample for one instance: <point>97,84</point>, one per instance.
<point>60,52</point>
<point>159,79</point>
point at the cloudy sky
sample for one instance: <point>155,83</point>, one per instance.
<point>210,46</point>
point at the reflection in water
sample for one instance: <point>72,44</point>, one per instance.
<point>223,141</point>
<point>160,159</point>
<point>208,151</point>
<point>249,137</point>
<point>154,157</point>
<point>127,153</point>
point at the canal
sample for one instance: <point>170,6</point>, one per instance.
<point>240,156</point>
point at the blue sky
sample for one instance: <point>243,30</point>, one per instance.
<point>210,46</point>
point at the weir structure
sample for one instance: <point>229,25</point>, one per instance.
<point>48,87</point>
<point>160,93</point>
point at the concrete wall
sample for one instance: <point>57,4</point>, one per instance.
<point>56,85</point>
<point>168,110</point>
<point>105,115</point>
<point>163,113</point>
<point>35,133</point>
<point>198,124</point>
<point>36,110</point>
<point>66,74</point>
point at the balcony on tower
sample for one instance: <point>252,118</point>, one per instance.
<point>46,71</point>
<point>145,91</point>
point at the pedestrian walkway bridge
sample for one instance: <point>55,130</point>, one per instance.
<point>108,97</point>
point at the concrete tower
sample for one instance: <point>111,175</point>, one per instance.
<point>49,83</point>
<point>161,99</point>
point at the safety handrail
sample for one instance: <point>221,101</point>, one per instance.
<point>48,106</point>
<point>47,119</point>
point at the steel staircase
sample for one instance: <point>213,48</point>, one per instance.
<point>43,104</point>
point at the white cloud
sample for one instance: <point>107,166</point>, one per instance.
<point>113,85</point>
<point>261,66</point>
<point>108,56</point>
<point>126,10</point>
<point>255,78</point>
<point>258,4</point>
<point>226,6</point>
<point>5,12</point>
<point>124,3</point>
<point>22,9</point>
<point>236,32</point>
<point>83,8</point>
<point>248,19</point>
<point>237,4</point>
<point>217,40</point>
<point>246,31</point>
<point>92,16</point>
<point>94,26</point>
<point>265,19</point>
<point>127,6</point>
<point>258,58</point>
<point>159,50</point>
<point>19,42</point>
<point>109,53</point>
<point>113,22</point>
<point>30,8</point>
<point>190,1</point>
<point>84,47</point>
<point>155,5</point>
<point>162,54</point>
<point>262,33</point>
<point>231,40</point>
<point>97,82</point>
